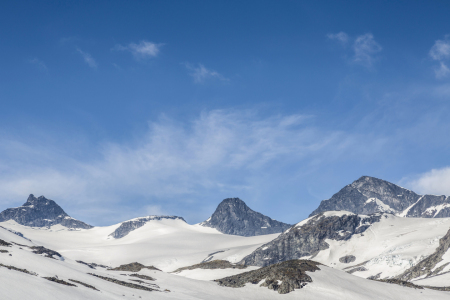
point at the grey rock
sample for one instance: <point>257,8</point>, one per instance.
<point>133,267</point>
<point>41,212</point>
<point>124,283</point>
<point>309,238</point>
<point>369,195</point>
<point>233,216</point>
<point>212,265</point>
<point>347,259</point>
<point>128,226</point>
<point>291,274</point>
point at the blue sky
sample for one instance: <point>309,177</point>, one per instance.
<point>120,109</point>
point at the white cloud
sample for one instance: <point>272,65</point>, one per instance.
<point>365,47</point>
<point>435,182</point>
<point>142,50</point>
<point>39,64</point>
<point>441,52</point>
<point>223,152</point>
<point>88,59</point>
<point>201,74</point>
<point>342,37</point>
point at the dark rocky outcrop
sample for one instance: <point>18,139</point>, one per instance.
<point>124,283</point>
<point>42,250</point>
<point>401,283</point>
<point>133,267</point>
<point>18,269</point>
<point>347,259</point>
<point>291,274</point>
<point>369,195</point>
<point>91,265</point>
<point>84,284</point>
<point>212,265</point>
<point>426,266</point>
<point>60,281</point>
<point>308,238</point>
<point>41,212</point>
<point>145,277</point>
<point>5,243</point>
<point>128,226</point>
<point>233,216</point>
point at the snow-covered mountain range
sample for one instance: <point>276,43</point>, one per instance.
<point>371,240</point>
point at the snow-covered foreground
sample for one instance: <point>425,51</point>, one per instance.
<point>169,244</point>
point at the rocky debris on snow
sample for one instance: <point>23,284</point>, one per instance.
<point>437,288</point>
<point>84,284</point>
<point>233,216</point>
<point>347,259</point>
<point>41,212</point>
<point>133,267</point>
<point>142,276</point>
<point>374,277</point>
<point>60,281</point>
<point>124,283</point>
<point>91,265</point>
<point>215,264</point>
<point>426,266</point>
<point>3,251</point>
<point>42,250</point>
<point>282,277</point>
<point>357,269</point>
<point>128,226</point>
<point>211,256</point>
<point>15,232</point>
<point>308,239</point>
<point>5,243</point>
<point>369,195</point>
<point>18,269</point>
<point>401,283</point>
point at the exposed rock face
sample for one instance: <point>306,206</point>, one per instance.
<point>128,226</point>
<point>41,212</point>
<point>426,266</point>
<point>212,265</point>
<point>308,237</point>
<point>233,216</point>
<point>133,267</point>
<point>347,259</point>
<point>291,274</point>
<point>369,195</point>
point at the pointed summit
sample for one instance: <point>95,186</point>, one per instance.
<point>233,216</point>
<point>41,212</point>
<point>369,195</point>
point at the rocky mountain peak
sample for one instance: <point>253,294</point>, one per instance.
<point>233,216</point>
<point>41,212</point>
<point>369,195</point>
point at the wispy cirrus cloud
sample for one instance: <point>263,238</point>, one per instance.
<point>441,52</point>
<point>142,50</point>
<point>341,37</point>
<point>39,64</point>
<point>222,152</point>
<point>201,74</point>
<point>88,59</point>
<point>364,47</point>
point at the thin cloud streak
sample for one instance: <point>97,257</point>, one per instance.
<point>202,74</point>
<point>441,52</point>
<point>88,59</point>
<point>143,50</point>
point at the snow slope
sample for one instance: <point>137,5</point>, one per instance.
<point>388,247</point>
<point>166,244</point>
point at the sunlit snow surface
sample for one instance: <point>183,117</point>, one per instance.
<point>170,244</point>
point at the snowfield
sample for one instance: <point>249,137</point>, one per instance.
<point>389,246</point>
